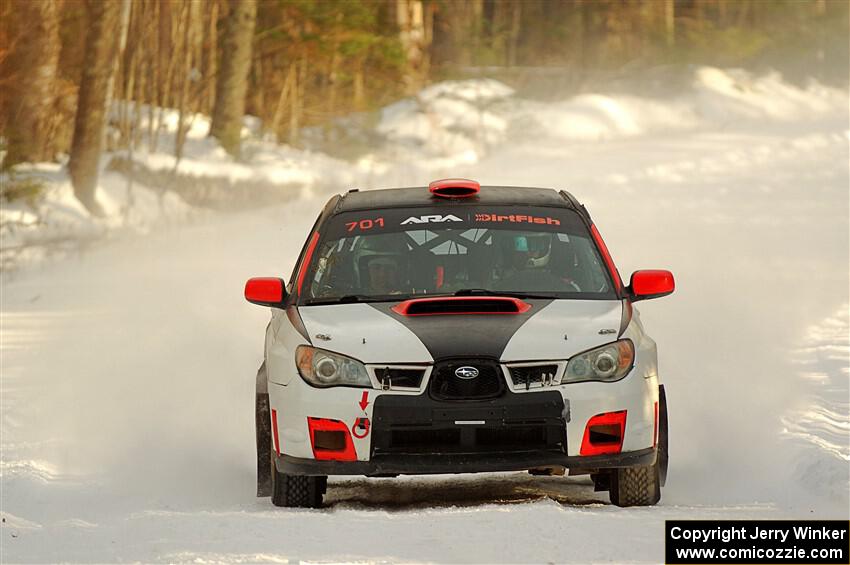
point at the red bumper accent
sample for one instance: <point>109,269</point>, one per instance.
<point>274,431</point>
<point>345,453</point>
<point>655,427</point>
<point>604,433</point>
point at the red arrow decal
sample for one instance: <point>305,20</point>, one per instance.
<point>364,400</point>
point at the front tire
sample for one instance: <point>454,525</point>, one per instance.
<point>641,486</point>
<point>296,491</point>
<point>636,486</point>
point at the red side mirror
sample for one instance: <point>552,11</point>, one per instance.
<point>265,291</point>
<point>651,284</point>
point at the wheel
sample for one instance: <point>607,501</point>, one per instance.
<point>635,486</point>
<point>641,486</point>
<point>663,449</point>
<point>296,491</point>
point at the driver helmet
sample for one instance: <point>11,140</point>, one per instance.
<point>535,249</point>
<point>385,250</point>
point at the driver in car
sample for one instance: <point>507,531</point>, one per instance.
<point>384,275</point>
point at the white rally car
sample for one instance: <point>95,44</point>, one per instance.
<point>457,329</point>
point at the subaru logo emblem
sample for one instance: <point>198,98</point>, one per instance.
<point>466,372</point>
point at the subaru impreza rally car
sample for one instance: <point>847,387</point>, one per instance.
<point>457,329</point>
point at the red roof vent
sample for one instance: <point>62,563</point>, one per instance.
<point>461,305</point>
<point>454,188</point>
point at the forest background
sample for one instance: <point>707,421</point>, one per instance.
<point>72,71</point>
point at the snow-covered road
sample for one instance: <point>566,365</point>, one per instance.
<point>128,372</point>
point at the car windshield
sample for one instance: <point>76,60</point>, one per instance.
<point>545,252</point>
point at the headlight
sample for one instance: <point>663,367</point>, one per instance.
<point>323,368</point>
<point>607,363</point>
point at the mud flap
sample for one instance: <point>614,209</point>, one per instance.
<point>663,442</point>
<point>264,445</point>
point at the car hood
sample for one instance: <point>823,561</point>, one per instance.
<point>551,329</point>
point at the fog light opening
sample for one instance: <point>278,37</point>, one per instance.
<point>331,440</point>
<point>604,434</point>
<point>328,441</point>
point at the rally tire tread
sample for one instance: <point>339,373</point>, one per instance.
<point>636,486</point>
<point>296,491</point>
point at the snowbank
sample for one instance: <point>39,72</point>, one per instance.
<point>452,118</point>
<point>54,221</point>
<point>716,97</point>
<point>450,126</point>
<point>263,161</point>
<point>735,94</point>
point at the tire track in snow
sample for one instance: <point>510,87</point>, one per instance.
<point>821,424</point>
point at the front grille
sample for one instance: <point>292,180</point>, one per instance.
<point>446,385</point>
<point>424,440</point>
<point>532,376</point>
<point>395,377</point>
<point>513,438</point>
<point>474,439</point>
<point>512,423</point>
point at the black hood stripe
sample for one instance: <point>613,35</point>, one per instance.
<point>461,335</point>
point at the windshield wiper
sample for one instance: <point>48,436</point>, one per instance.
<point>356,298</point>
<point>487,292</point>
<point>347,299</point>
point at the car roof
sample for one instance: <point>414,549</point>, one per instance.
<point>413,197</point>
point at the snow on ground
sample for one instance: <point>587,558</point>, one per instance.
<point>31,229</point>
<point>821,420</point>
<point>127,372</point>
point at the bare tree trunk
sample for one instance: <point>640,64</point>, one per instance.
<point>670,22</point>
<point>477,29</point>
<point>410,17</point>
<point>191,43</point>
<point>165,62</point>
<point>287,91</point>
<point>333,68</point>
<point>458,31</point>
<point>233,74</point>
<point>212,59</point>
<point>297,101</point>
<point>513,40</point>
<point>359,86</point>
<point>31,95</point>
<point>102,45</point>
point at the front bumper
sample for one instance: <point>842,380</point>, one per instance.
<point>416,435</point>
<point>411,433</point>
<point>382,465</point>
